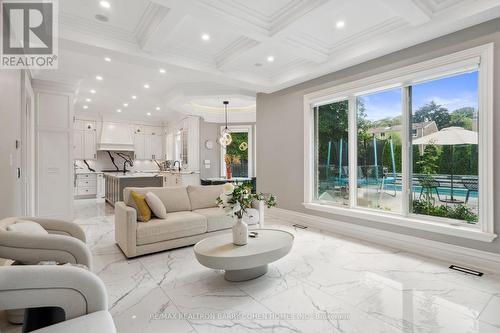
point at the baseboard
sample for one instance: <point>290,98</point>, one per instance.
<point>454,254</point>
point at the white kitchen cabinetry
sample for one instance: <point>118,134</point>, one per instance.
<point>148,143</point>
<point>139,146</point>
<point>183,143</point>
<point>86,185</point>
<point>181,179</point>
<point>101,186</point>
<point>84,140</point>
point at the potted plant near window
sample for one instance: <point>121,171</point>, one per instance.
<point>230,160</point>
<point>236,200</point>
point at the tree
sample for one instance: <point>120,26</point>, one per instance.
<point>433,112</point>
<point>463,117</point>
<point>332,125</point>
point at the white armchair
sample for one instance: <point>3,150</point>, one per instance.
<point>64,243</point>
<point>78,292</point>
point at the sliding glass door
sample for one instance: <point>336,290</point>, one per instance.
<point>331,153</point>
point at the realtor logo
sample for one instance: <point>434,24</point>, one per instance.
<point>29,34</point>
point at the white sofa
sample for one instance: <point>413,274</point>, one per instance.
<point>192,214</point>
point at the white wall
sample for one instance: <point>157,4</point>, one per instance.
<point>10,131</point>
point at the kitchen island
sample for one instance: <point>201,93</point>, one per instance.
<point>117,181</point>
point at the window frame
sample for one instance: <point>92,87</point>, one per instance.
<point>238,129</point>
<point>479,58</point>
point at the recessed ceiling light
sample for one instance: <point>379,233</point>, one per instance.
<point>149,113</point>
<point>88,100</point>
<point>98,78</point>
<point>340,24</point>
<point>157,108</point>
<point>125,104</point>
<point>146,86</point>
<point>162,70</point>
<point>92,91</point>
<point>270,59</point>
<point>134,97</point>
<point>118,110</point>
<point>105,4</point>
<point>85,107</point>
<point>108,59</point>
<point>205,37</point>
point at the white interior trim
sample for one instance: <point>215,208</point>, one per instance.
<point>454,254</point>
<point>478,58</point>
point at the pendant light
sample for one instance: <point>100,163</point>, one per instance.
<point>225,138</point>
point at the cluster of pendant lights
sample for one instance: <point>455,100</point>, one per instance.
<point>225,138</point>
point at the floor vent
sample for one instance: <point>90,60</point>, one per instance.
<point>466,270</point>
<point>300,226</point>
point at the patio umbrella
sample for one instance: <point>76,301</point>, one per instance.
<point>449,136</point>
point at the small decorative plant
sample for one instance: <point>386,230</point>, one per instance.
<point>237,198</point>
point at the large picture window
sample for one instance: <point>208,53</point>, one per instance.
<point>410,147</point>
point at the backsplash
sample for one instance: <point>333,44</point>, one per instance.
<point>103,163</point>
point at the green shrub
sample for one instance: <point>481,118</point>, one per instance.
<point>458,212</point>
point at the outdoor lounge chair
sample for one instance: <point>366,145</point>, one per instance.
<point>472,185</point>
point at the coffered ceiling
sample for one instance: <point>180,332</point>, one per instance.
<point>212,50</point>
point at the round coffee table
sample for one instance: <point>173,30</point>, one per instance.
<point>245,262</point>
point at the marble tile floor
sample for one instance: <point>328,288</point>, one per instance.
<point>328,283</point>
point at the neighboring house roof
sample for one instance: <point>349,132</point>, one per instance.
<point>397,128</point>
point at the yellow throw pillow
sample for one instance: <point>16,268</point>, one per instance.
<point>142,206</point>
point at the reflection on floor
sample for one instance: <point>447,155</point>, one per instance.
<point>328,283</point>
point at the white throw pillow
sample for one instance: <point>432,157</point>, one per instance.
<point>27,227</point>
<point>157,207</point>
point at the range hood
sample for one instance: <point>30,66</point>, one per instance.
<point>116,137</point>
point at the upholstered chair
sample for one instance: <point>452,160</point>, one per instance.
<point>79,293</point>
<point>51,240</point>
<point>64,242</point>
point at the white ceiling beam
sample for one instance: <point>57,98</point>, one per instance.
<point>408,10</point>
<point>150,24</point>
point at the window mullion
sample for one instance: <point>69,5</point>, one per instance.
<point>353,152</point>
<point>406,150</point>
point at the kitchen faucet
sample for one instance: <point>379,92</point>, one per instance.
<point>179,165</point>
<point>125,165</point>
<point>127,160</point>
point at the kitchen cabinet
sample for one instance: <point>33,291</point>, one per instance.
<point>86,185</point>
<point>148,146</point>
<point>181,179</point>
<point>89,145</point>
<point>84,140</point>
<point>182,143</point>
<point>139,146</point>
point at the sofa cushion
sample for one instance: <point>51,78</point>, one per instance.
<point>156,205</point>
<point>143,210</point>
<point>216,218</point>
<point>176,225</point>
<point>204,196</point>
<point>175,198</point>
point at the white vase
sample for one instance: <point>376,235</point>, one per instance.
<point>240,232</point>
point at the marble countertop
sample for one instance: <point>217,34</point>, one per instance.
<point>83,172</point>
<point>133,174</point>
